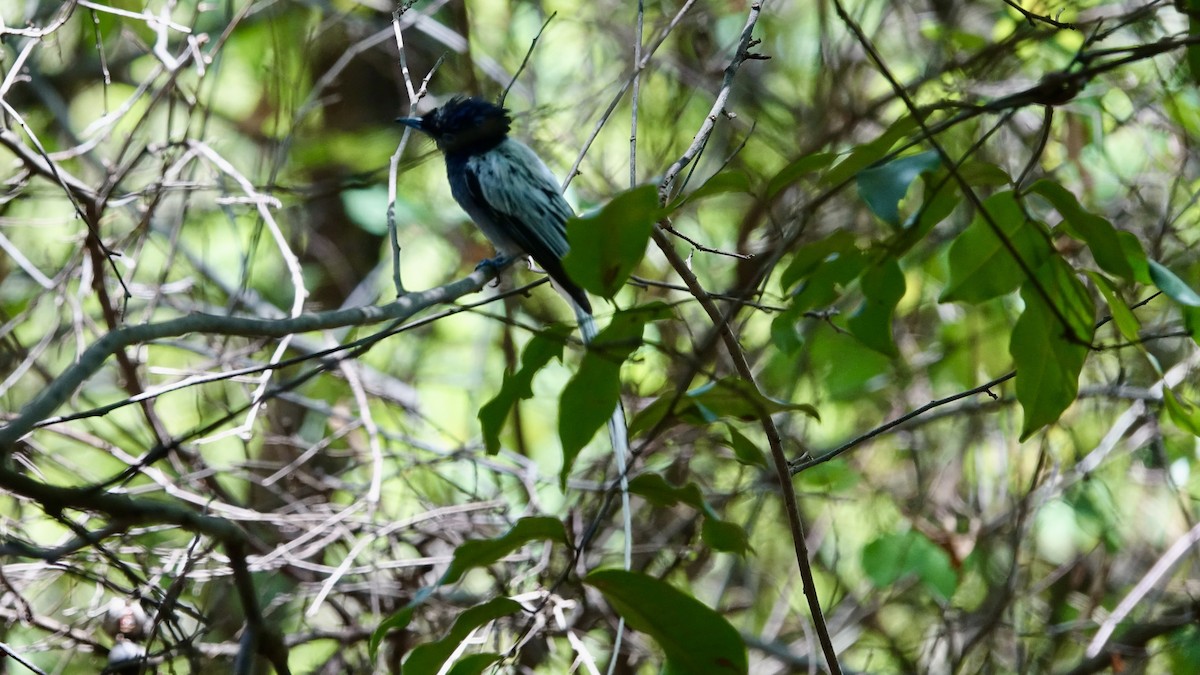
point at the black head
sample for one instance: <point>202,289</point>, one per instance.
<point>463,125</point>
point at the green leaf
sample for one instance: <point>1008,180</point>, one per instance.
<point>793,171</point>
<point>474,664</point>
<point>1191,322</point>
<point>1099,234</point>
<point>938,202</point>
<point>694,637</point>
<point>745,450</point>
<point>467,556</point>
<point>542,348</point>
<point>725,536</point>
<point>1135,255</point>
<point>396,621</point>
<point>606,246</point>
<point>829,477</point>
<point>721,535</point>
<point>893,556</point>
<point>981,266</point>
<point>429,658</point>
<point>882,285</point>
<point>729,397</point>
<point>1122,316</point>
<point>882,187</point>
<point>1183,414</point>
<point>1173,286</point>
<point>724,182</point>
<point>589,398</point>
<point>482,552</point>
<point>783,331</point>
<point>868,153</point>
<point>1047,356</point>
<point>822,267</point>
<point>658,491</point>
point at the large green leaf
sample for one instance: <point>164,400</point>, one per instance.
<point>982,266</point>
<point>541,350</point>
<point>883,187</point>
<point>694,637</point>
<point>1049,343</point>
<point>1099,234</point>
<point>429,658</point>
<point>607,245</point>
<point>883,286</point>
<point>589,398</point>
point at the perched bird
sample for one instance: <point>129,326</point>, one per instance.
<point>505,188</point>
<point>511,195</point>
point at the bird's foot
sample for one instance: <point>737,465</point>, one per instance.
<point>495,264</point>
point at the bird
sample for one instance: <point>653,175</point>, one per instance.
<point>506,189</point>
<point>513,198</point>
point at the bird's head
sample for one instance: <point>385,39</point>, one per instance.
<point>463,125</point>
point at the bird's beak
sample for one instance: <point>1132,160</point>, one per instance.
<point>412,122</point>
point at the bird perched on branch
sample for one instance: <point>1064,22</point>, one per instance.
<point>506,189</point>
<point>511,195</point>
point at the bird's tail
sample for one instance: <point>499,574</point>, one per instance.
<point>618,434</point>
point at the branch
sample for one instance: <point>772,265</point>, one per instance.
<point>93,357</point>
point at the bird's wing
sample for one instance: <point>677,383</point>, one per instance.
<point>524,201</point>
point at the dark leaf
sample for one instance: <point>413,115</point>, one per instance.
<point>429,658</point>
<point>883,187</point>
<point>606,246</point>
<point>693,636</point>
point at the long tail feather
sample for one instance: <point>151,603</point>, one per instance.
<point>618,436</point>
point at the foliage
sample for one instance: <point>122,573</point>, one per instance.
<point>936,265</point>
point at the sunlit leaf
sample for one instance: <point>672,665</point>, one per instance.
<point>720,534</point>
<point>729,397</point>
<point>745,450</point>
<point>1122,316</point>
<point>727,181</point>
<point>1185,415</point>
